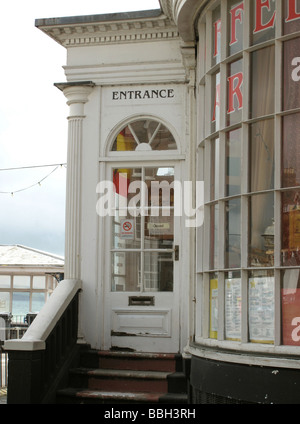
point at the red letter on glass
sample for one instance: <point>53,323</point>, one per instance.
<point>236,15</point>
<point>293,14</point>
<point>235,83</point>
<point>217,101</point>
<point>217,26</point>
<point>260,4</point>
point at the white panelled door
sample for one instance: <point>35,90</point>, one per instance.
<point>141,275</point>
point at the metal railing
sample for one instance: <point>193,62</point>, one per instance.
<point>3,368</point>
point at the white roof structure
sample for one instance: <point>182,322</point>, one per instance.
<point>17,255</point>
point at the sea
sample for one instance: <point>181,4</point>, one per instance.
<point>21,305</point>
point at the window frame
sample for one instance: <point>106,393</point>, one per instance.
<point>50,284</point>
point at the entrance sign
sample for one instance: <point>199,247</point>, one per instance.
<point>166,93</point>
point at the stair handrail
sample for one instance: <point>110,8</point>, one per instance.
<point>35,359</point>
<point>36,335</point>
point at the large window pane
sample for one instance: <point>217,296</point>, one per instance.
<point>126,232</point>
<point>5,281</point>
<point>213,306</point>
<point>261,249</point>
<point>214,169</point>
<point>37,302</point>
<point>290,228</point>
<point>291,13</point>
<point>261,307</point>
<point>21,281</point>
<point>124,141</point>
<point>127,184</point>
<point>290,303</point>
<point>262,155</point>
<point>158,271</point>
<point>39,282</point>
<point>233,234</point>
<point>291,150</point>
<point>4,301</point>
<point>216,102</point>
<point>126,271</point>
<point>160,187</point>
<point>214,237</point>
<point>235,26</point>
<point>234,92</point>
<point>161,138</point>
<point>159,232</point>
<point>216,36</point>
<point>145,131</point>
<point>262,82</point>
<point>291,74</point>
<point>20,303</point>
<point>233,162</point>
<point>263,19</point>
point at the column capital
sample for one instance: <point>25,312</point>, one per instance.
<point>77,94</point>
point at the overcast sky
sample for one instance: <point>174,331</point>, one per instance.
<point>33,125</point>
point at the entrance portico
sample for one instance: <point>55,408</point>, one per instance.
<point>130,113</point>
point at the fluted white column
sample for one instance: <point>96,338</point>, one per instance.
<point>77,96</point>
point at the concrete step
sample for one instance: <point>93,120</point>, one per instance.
<point>120,380</point>
<point>112,377</point>
<point>131,360</point>
<point>85,396</point>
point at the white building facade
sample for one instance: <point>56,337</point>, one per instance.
<point>183,188</point>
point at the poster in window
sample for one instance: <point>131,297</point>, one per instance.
<point>213,303</point>
<point>294,229</point>
<point>291,317</point>
<point>261,309</point>
<point>233,298</point>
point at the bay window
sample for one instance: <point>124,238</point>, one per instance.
<point>249,275</point>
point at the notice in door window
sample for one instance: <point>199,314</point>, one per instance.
<point>127,229</point>
<point>261,309</point>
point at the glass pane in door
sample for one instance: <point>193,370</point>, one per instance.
<point>126,271</point>
<point>158,271</point>
<point>143,229</point>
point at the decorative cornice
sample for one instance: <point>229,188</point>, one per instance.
<point>167,7</point>
<point>184,13</point>
<point>107,31</point>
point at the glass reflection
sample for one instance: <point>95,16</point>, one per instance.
<point>261,249</point>
<point>290,228</point>
<point>233,234</point>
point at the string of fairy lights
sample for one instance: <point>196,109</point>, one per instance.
<point>56,166</point>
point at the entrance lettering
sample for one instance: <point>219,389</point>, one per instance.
<point>167,93</point>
